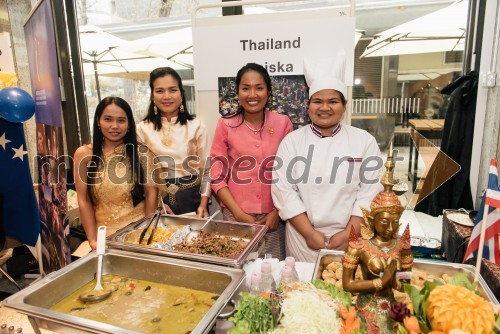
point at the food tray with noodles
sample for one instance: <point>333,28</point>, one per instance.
<point>328,263</point>
<point>219,242</point>
<point>151,306</point>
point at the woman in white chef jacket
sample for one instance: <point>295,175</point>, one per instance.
<point>325,172</point>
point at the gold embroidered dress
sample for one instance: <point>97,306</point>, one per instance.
<point>112,191</point>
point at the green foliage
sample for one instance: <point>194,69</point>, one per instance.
<point>461,279</point>
<point>254,315</point>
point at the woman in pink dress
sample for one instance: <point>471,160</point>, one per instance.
<point>242,157</point>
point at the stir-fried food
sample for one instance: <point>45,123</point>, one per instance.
<point>212,244</point>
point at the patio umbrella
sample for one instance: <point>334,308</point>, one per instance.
<point>101,55</point>
<point>175,46</point>
<point>442,30</point>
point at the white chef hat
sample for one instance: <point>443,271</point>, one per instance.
<point>326,73</point>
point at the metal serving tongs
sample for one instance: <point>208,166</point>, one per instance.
<point>152,222</point>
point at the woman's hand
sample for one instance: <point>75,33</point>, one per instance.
<point>166,208</point>
<point>93,244</point>
<point>202,211</point>
<point>271,220</point>
<point>245,218</point>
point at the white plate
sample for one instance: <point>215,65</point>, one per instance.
<point>461,218</point>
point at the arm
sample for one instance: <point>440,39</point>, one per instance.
<point>287,200</point>
<point>219,173</point>
<point>202,153</point>
<point>271,220</point>
<point>367,191</point>
<point>150,170</point>
<point>87,213</point>
<point>227,198</point>
<point>151,202</point>
<point>314,239</point>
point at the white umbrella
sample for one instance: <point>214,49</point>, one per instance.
<point>442,30</point>
<point>104,54</point>
<point>175,46</point>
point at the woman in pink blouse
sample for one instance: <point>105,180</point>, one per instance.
<point>242,157</point>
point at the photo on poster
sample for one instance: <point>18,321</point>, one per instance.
<point>289,97</point>
<point>53,201</point>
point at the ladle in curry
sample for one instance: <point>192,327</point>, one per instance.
<point>99,293</point>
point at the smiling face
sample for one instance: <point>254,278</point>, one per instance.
<point>252,92</point>
<point>385,225</point>
<point>113,123</point>
<point>167,96</point>
<point>326,110</point>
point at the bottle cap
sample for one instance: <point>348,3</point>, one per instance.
<point>287,272</point>
<point>255,279</point>
<point>266,267</point>
<point>290,261</point>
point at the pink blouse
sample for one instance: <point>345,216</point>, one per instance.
<point>242,159</point>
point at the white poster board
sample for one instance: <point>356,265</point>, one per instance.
<point>278,41</point>
<point>6,57</point>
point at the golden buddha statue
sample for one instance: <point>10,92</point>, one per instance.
<point>381,256</point>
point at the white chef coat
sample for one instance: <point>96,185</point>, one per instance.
<point>308,181</point>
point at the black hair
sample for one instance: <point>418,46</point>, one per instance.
<point>267,79</point>
<point>182,117</point>
<point>130,141</point>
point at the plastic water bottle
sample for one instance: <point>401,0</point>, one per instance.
<point>287,276</point>
<point>267,280</point>
<point>290,262</point>
<point>256,284</point>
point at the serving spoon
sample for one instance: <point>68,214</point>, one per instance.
<point>206,223</point>
<point>98,293</point>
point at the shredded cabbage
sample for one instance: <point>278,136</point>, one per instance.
<point>307,312</point>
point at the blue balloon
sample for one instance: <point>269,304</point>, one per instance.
<point>16,105</point>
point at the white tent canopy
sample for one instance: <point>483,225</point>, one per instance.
<point>442,30</point>
<point>105,54</point>
<point>175,46</point>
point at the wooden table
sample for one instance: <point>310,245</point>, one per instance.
<point>429,129</point>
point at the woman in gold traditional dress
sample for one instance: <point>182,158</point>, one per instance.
<point>381,255</point>
<point>110,175</point>
<point>180,142</point>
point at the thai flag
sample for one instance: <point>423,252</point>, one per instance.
<point>491,250</point>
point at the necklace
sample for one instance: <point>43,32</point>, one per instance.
<point>254,130</point>
<point>384,251</point>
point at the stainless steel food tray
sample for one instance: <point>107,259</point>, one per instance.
<point>252,234</point>
<point>435,268</point>
<point>36,300</point>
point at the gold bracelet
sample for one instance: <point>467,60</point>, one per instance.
<point>377,283</point>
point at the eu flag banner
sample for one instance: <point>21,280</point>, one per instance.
<point>20,214</point>
<point>491,200</point>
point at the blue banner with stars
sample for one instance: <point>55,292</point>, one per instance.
<point>20,216</point>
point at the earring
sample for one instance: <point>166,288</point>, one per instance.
<point>181,108</point>
<point>155,109</point>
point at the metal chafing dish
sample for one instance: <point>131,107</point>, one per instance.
<point>36,300</point>
<point>250,233</point>
<point>435,268</point>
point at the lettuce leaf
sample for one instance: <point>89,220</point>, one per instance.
<point>337,294</point>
